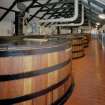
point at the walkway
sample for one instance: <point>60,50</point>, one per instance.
<point>89,74</point>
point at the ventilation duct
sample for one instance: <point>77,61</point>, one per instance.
<point>76,10</point>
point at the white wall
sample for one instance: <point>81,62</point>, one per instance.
<point>5,28</point>
<point>65,31</point>
<point>86,29</point>
<point>48,30</point>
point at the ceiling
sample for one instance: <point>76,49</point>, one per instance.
<point>93,9</point>
<point>47,9</point>
<point>42,9</point>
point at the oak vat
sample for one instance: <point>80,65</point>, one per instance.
<point>77,46</point>
<point>35,73</point>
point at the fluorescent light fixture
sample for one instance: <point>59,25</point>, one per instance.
<point>101,16</point>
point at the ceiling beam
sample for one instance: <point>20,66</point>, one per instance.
<point>10,8</point>
<point>53,13</point>
<point>34,15</point>
<point>41,5</point>
<point>59,14</point>
<point>44,10</point>
<point>7,9</point>
<point>65,13</point>
<point>97,3</point>
<point>13,4</point>
<point>50,4</point>
<point>23,0</point>
<point>90,17</point>
<point>57,11</point>
<point>32,3</point>
<point>50,9</point>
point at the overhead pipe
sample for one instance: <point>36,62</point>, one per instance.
<point>92,17</point>
<point>74,24</point>
<point>92,13</point>
<point>95,12</point>
<point>95,5</point>
<point>92,10</point>
<point>76,11</point>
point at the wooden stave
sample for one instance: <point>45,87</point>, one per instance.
<point>86,40</point>
<point>77,47</point>
<point>29,102</point>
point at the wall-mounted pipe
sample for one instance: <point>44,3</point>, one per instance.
<point>76,10</point>
<point>74,24</point>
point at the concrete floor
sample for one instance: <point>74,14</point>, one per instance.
<point>89,75</point>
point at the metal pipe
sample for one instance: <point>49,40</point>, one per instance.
<point>74,24</point>
<point>95,5</point>
<point>76,10</point>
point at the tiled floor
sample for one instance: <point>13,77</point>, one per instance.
<point>89,74</point>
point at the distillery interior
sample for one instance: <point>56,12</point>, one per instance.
<point>52,52</point>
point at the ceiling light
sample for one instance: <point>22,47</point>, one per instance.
<point>101,16</point>
<point>97,23</point>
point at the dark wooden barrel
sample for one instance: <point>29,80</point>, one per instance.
<point>77,46</point>
<point>35,75</point>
